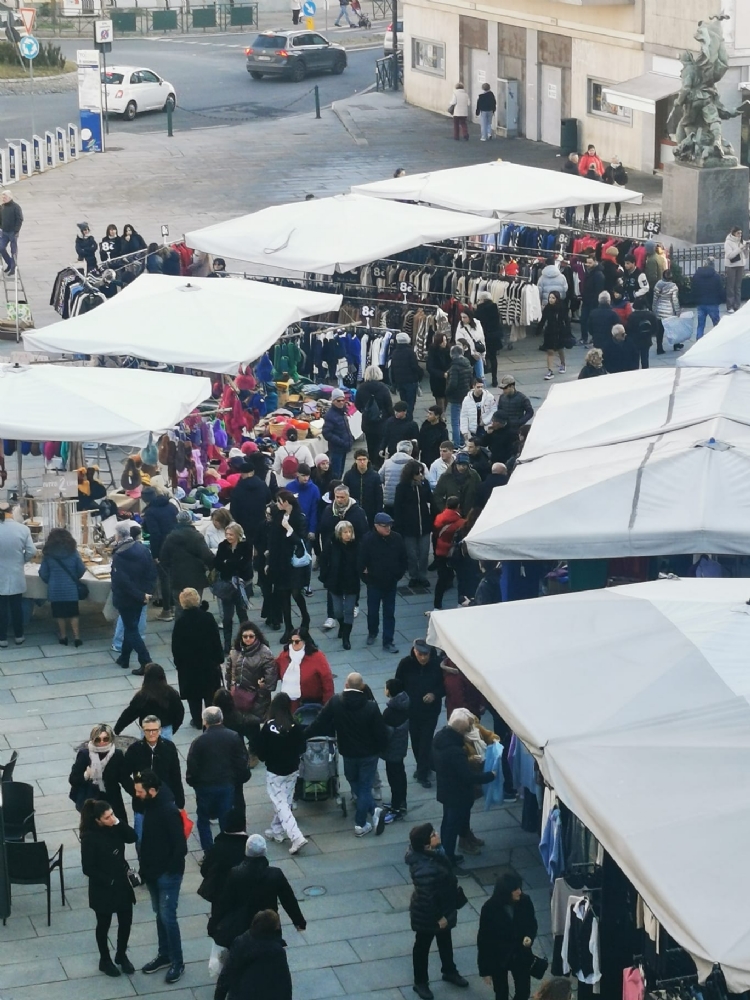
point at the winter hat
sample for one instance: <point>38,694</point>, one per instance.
<point>148,494</point>
<point>403,338</point>
<point>83,226</point>
<point>235,453</point>
<point>382,518</point>
<point>338,394</point>
<point>249,447</point>
<point>461,459</point>
<point>650,246</point>
<point>184,517</point>
<point>319,459</point>
<point>255,846</point>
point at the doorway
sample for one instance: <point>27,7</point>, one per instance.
<point>478,59</point>
<point>550,100</point>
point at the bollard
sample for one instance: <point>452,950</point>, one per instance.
<point>169,118</point>
<point>317,102</point>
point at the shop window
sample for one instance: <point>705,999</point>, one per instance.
<point>601,108</point>
<point>427,56</point>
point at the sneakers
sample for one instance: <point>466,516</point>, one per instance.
<point>362,831</point>
<point>561,369</point>
<point>388,647</point>
<point>165,616</point>
<point>356,610</point>
<point>423,991</point>
<point>378,820</point>
<point>455,979</point>
<point>549,375</point>
<point>175,972</point>
<point>329,623</point>
<point>3,643</point>
<point>278,837</point>
<point>20,640</point>
<point>307,592</point>
<point>160,962</point>
<point>297,845</point>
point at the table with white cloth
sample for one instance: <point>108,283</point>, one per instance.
<point>36,588</point>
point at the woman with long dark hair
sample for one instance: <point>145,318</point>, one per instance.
<point>281,743</point>
<point>100,772</point>
<point>555,325</point>
<point>411,512</point>
<point>438,363</point>
<point>251,676</point>
<point>103,840</point>
<point>155,697</point>
<point>507,928</point>
<point>286,539</point>
<point>131,241</point>
<point>470,338</point>
<point>304,671</point>
<point>61,569</point>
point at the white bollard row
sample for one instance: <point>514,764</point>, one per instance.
<point>34,156</point>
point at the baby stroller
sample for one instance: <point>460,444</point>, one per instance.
<point>364,20</point>
<point>319,766</point>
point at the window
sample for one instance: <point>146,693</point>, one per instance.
<point>148,77</point>
<point>270,41</point>
<point>428,57</point>
<point>601,108</point>
<point>318,40</point>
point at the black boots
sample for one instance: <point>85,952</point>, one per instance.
<point>345,631</point>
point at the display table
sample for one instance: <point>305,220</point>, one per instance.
<point>36,589</point>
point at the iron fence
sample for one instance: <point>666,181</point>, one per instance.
<point>688,259</point>
<point>385,73</point>
<point>637,225</point>
<point>147,20</point>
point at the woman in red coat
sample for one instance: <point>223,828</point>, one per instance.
<point>304,672</point>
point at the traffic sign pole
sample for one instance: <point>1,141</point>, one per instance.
<point>28,46</point>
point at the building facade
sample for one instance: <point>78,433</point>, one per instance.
<point>610,65</point>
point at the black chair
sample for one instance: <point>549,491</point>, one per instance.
<point>18,810</point>
<point>6,770</point>
<point>30,864</point>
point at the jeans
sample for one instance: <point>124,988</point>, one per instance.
<point>733,279</point>
<point>130,614</point>
<point>421,732</point>
<point>360,773</point>
<point>228,607</point>
<point>12,239</point>
<point>337,458</point>
<point>344,12</point>
<point>138,828</point>
<point>120,630</point>
<point>460,125</point>
<point>455,823</point>
<point>479,368</point>
<point>485,123</point>
<point>396,774</point>
<point>11,606</point>
<point>408,394</point>
<point>165,894</point>
<point>212,800</point>
<point>712,312</point>
<point>420,954</point>
<point>455,415</point>
<point>343,607</point>
<point>280,788</point>
<point>417,556</point>
<point>521,982</point>
<point>376,595</point>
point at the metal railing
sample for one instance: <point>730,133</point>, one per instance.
<point>638,225</point>
<point>146,20</point>
<point>386,77</point>
<point>688,259</point>
<point>381,10</point>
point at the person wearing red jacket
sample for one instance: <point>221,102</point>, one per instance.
<point>445,525</point>
<point>304,672</point>
<point>590,157</point>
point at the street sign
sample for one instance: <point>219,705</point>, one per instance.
<point>309,8</point>
<point>103,32</point>
<point>29,47</point>
<point>28,16</point>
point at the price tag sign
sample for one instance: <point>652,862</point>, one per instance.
<point>378,272</point>
<point>652,228</point>
<point>406,288</point>
<point>563,239</point>
<point>367,311</point>
<point>558,213</point>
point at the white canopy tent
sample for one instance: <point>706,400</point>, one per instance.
<point>635,702</point>
<point>728,344</point>
<point>111,405</point>
<point>681,492</point>
<point>623,407</point>
<point>500,189</point>
<point>207,323</point>
<point>326,235</point>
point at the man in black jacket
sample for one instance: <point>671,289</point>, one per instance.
<point>455,782</point>
<point>158,519</point>
<point>422,676</point>
<point>355,720</point>
<point>133,582</point>
<point>154,753</point>
<point>497,477</point>
<point>642,327</point>
<point>602,320</point>
<point>185,557</point>
<point>405,372</point>
<point>400,427</point>
<point>216,765</point>
<point>591,289</point>
<point>432,433</point>
<point>382,563</point>
<point>249,500</point>
<point>11,220</point>
<point>500,440</point>
<point>488,315</point>
<point>364,485</point>
<point>162,857</point>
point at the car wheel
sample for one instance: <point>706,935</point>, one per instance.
<point>256,75</point>
<point>129,112</point>
<point>339,64</point>
<point>299,71</point>
<point>170,103</point>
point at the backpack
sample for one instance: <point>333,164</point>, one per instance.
<point>289,466</point>
<point>372,412</point>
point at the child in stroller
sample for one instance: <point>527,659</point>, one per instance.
<point>364,20</point>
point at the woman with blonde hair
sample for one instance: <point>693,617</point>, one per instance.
<point>594,364</point>
<point>234,567</point>
<point>197,653</point>
<point>373,400</point>
<point>100,772</point>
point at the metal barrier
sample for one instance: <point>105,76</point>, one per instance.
<point>640,225</point>
<point>147,20</point>
<point>688,259</point>
<point>385,74</point>
<point>381,10</point>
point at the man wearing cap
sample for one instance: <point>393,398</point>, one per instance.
<point>382,563</point>
<point>513,405</point>
<point>405,372</point>
<point>422,676</point>
<point>158,519</point>
<point>337,433</point>
<point>252,886</point>
<point>500,440</point>
<point>133,582</point>
<point>249,500</point>
<point>459,481</point>
<point>186,557</point>
<point>16,548</point>
<point>86,246</point>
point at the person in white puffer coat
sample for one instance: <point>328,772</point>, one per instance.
<point>552,280</point>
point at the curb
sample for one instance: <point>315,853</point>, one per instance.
<point>348,122</point>
<point>42,85</point>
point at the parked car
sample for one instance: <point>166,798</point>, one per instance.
<point>388,40</point>
<point>131,89</point>
<point>293,54</point>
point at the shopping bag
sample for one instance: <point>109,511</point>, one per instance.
<point>216,960</point>
<point>109,610</point>
<point>678,329</point>
<point>187,824</point>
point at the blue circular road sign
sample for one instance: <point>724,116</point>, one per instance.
<point>308,8</point>
<point>29,47</point>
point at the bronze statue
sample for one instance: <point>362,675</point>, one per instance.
<point>698,112</point>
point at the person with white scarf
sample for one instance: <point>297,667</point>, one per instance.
<point>280,743</point>
<point>304,672</point>
<point>99,772</point>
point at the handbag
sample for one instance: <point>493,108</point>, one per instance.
<point>225,590</point>
<point>569,341</point>
<point>538,966</point>
<point>300,561</point>
<point>243,699</point>
<point>451,108</point>
<point>83,590</point>
<point>134,878</point>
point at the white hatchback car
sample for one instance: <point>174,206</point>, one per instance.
<point>132,88</point>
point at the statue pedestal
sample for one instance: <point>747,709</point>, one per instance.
<point>702,204</point>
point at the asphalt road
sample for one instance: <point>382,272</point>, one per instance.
<point>213,87</point>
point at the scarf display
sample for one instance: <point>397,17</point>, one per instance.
<point>97,764</point>
<point>291,682</point>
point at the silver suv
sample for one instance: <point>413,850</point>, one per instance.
<point>293,54</point>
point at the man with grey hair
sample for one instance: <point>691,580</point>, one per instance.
<point>154,753</point>
<point>390,472</point>
<point>133,582</point>
<point>11,220</point>
<point>601,321</point>
<point>621,353</point>
<point>216,768</point>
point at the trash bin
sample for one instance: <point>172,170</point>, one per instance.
<point>568,136</point>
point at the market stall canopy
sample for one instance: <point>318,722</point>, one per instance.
<point>501,189</point>
<point>727,344</point>
<point>682,492</point>
<point>109,405</point>
<point>215,324</point>
<point>326,235</point>
<point>599,411</point>
<point>635,702</point>
<point>641,93</point>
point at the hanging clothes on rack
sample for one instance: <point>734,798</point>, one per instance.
<point>580,947</point>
